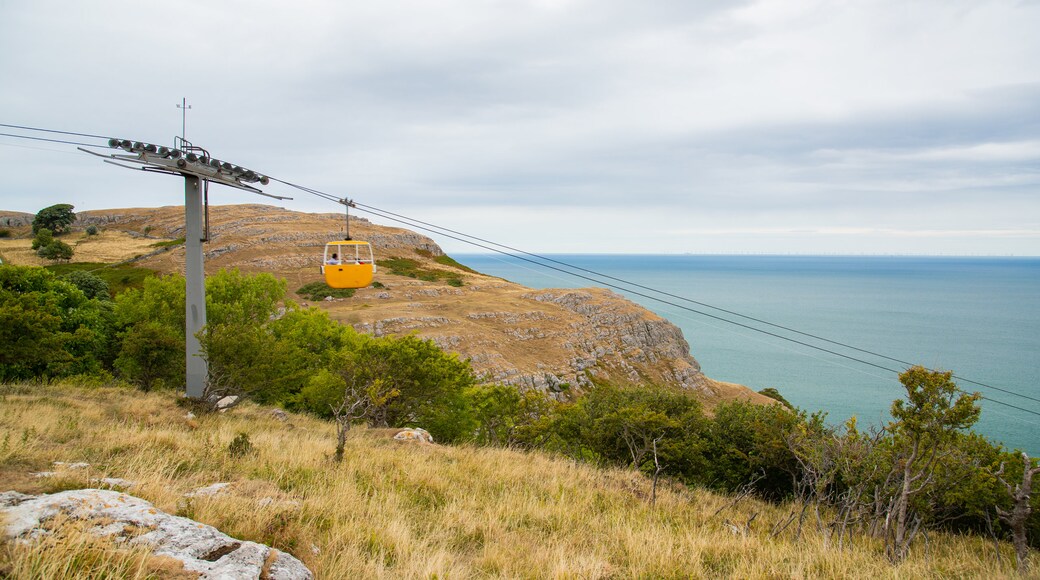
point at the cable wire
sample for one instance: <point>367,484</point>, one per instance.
<point>691,301</point>
<point>481,243</point>
<point>403,220</point>
<point>53,140</point>
<point>573,271</point>
<point>42,130</point>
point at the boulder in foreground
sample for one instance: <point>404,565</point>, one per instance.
<point>203,549</point>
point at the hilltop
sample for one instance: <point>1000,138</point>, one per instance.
<point>542,339</point>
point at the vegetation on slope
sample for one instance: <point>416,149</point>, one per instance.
<point>393,510</point>
<point>923,472</point>
<point>410,268</point>
<point>118,277</point>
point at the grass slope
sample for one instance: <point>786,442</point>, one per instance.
<point>394,510</point>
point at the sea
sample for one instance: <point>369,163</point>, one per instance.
<point>831,333</point>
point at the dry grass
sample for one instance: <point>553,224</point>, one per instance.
<point>107,246</point>
<point>393,510</point>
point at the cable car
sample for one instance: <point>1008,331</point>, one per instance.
<point>348,264</point>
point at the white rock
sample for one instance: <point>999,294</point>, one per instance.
<point>202,548</point>
<point>42,473</point>
<point>415,434</point>
<point>226,402</point>
<point>209,490</point>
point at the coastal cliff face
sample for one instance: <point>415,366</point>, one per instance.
<point>551,340</point>
<point>546,339</point>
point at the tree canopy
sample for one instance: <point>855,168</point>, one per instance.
<point>56,218</point>
<point>49,327</point>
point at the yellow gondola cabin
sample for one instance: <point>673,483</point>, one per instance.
<point>348,264</point>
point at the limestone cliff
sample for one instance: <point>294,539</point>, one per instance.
<point>541,339</point>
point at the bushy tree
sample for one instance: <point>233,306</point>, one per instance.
<point>42,239</point>
<point>56,218</point>
<point>151,319</point>
<point>347,401</point>
<point>151,355</point>
<point>507,417</point>
<point>405,381</point>
<point>91,285</point>
<point>159,300</point>
<point>48,247</point>
<point>273,362</point>
<point>425,386</point>
<point>49,327</point>
<point>1021,508</point>
<point>747,440</point>
<point>625,425</point>
<point>924,427</point>
<point>237,299</point>
<point>56,250</point>
<point>237,308</point>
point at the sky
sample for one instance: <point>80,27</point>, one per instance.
<point>776,126</point>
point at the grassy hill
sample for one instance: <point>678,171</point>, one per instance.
<point>398,510</point>
<point>511,334</point>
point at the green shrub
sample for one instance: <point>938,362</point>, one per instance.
<point>118,277</point>
<point>774,394</point>
<point>56,250</point>
<point>151,355</point>
<point>399,266</point>
<point>508,418</point>
<point>49,327</point>
<point>241,446</point>
<point>618,425</point>
<point>153,322</point>
<point>42,238</point>
<point>5,233</point>
<point>91,285</point>
<point>92,230</point>
<point>746,440</point>
<point>319,290</point>
<point>169,243</point>
<point>447,260</point>
<point>407,381</point>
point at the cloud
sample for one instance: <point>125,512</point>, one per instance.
<point>811,113</point>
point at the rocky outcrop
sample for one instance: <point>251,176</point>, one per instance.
<point>614,333</point>
<point>549,340</point>
<point>133,521</point>
<point>15,219</point>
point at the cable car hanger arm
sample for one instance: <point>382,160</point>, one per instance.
<point>172,167</point>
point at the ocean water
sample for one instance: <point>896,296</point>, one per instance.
<point>979,317</point>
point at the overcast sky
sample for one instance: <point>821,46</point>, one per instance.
<point>907,127</point>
